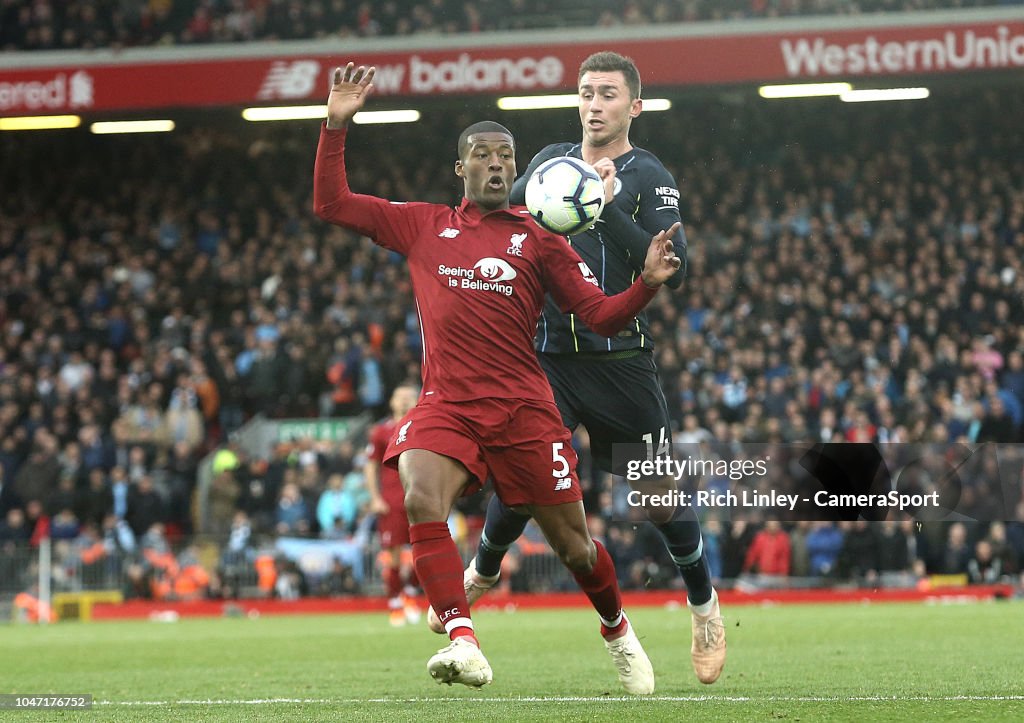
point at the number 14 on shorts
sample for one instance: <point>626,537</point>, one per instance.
<point>663,449</point>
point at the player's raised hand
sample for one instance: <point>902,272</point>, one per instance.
<point>350,87</point>
<point>605,168</point>
<point>661,261</point>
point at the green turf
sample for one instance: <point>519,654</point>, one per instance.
<point>836,662</point>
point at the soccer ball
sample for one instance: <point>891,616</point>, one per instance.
<point>565,195</point>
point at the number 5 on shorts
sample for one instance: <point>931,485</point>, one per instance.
<point>561,464</point>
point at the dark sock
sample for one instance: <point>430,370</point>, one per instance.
<point>502,528</point>
<point>685,545</point>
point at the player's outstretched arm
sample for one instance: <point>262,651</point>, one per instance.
<point>350,87</point>
<point>629,235</point>
<point>573,287</point>
<point>394,226</point>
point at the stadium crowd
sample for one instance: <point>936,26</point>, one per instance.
<point>853,275</point>
<point>91,24</point>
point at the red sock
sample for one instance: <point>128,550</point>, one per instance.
<point>602,588</point>
<point>439,569</point>
<point>392,582</point>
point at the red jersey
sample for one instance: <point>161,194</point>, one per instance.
<point>479,280</point>
<point>388,483</point>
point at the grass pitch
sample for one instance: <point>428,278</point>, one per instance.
<point>836,662</point>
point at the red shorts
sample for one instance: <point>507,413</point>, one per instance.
<point>521,444</point>
<point>392,527</point>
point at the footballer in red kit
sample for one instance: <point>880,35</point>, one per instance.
<point>392,522</point>
<point>387,501</point>
<point>479,273</point>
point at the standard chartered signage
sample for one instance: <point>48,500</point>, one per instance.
<point>322,430</point>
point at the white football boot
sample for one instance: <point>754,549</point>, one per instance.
<point>708,647</point>
<point>635,671</point>
<point>460,662</point>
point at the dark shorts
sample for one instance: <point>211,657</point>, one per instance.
<point>619,401</point>
<point>521,445</point>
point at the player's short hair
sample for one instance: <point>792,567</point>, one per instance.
<point>480,127</point>
<point>609,61</point>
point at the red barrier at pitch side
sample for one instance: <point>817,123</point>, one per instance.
<point>318,606</point>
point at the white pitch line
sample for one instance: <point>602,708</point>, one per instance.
<point>587,699</point>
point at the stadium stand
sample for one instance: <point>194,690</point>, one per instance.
<point>855,276</point>
<point>89,24</point>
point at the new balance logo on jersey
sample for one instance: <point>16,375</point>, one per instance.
<point>588,275</point>
<point>449,233</point>
<point>402,432</point>
<point>563,484</point>
<point>516,249</point>
<point>289,80</point>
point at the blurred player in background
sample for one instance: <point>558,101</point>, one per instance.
<point>387,501</point>
<point>486,407</point>
<point>611,386</point>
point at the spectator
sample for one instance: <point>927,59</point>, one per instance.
<point>96,501</point>
<point>37,477</point>
<point>14,529</point>
<point>957,553</point>
<point>769,553</point>
<point>334,510</point>
<point>184,420</point>
<point>1002,549</point>
<point>120,488</point>
<point>735,542</point>
<point>712,535</point>
<point>38,521</point>
<point>224,496</point>
<point>984,567</point>
<point>897,551</point>
<point>138,584</point>
<point>824,544</point>
<point>258,494</point>
<point>180,480</point>
<point>118,538</point>
<point>858,557</point>
<point>8,499</point>
<point>145,506</point>
<point>62,498</point>
<point>64,525</point>
<point>338,581</point>
<point>996,424</point>
<point>292,517</point>
<point>799,555</point>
